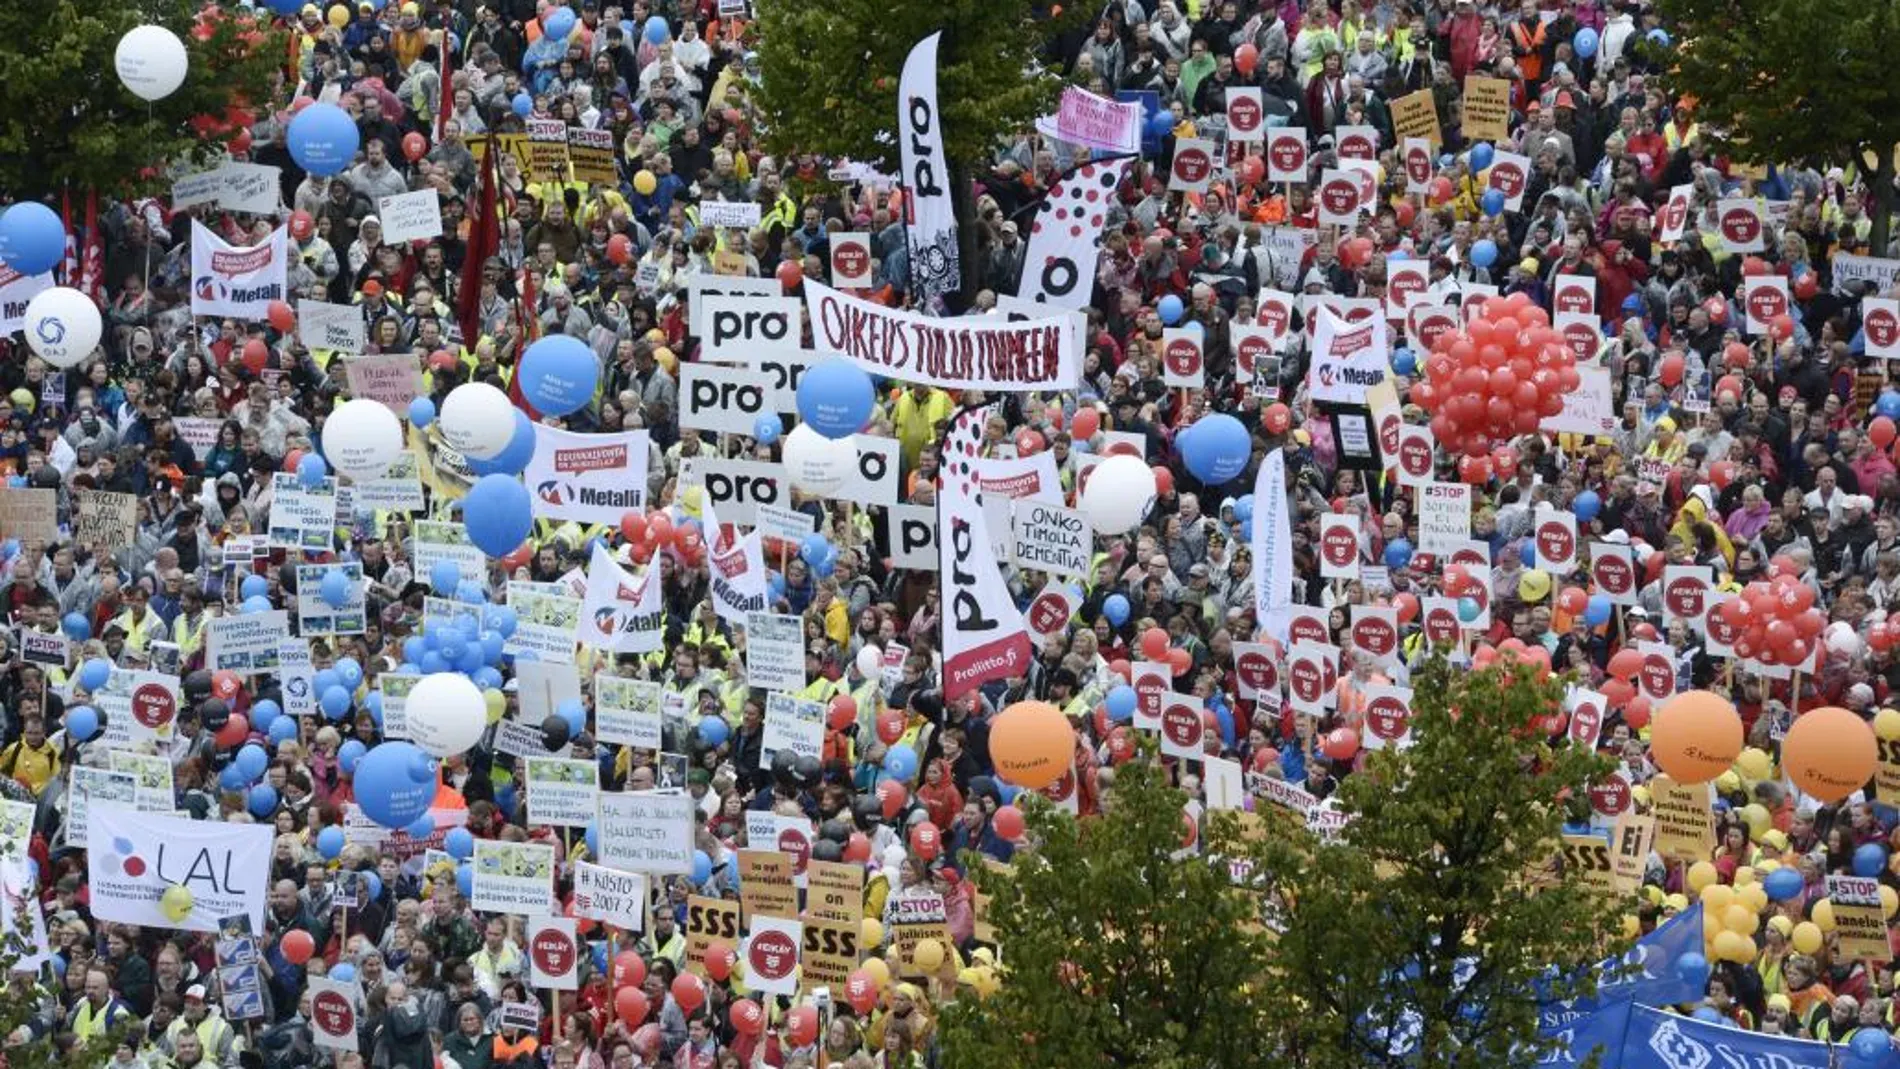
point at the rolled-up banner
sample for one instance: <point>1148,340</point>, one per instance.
<point>936,267</point>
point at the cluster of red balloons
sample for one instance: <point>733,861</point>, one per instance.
<point>1495,379</point>
<point>1513,651</point>
<point>1775,621</point>
<point>649,533</point>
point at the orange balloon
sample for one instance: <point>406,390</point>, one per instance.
<point>1695,736</point>
<point>1032,744</point>
<point>1829,753</point>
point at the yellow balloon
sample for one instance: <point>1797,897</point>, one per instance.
<point>1887,724</point>
<point>1755,815</point>
<point>1702,874</point>
<point>879,972</point>
<point>1889,900</point>
<point>339,15</point>
<point>1766,865</point>
<point>1631,926</point>
<point>871,931</point>
<point>1739,919</point>
<point>1717,897</point>
<point>644,183</point>
<point>175,903</point>
<point>496,703</point>
<point>1731,946</point>
<point>1755,764</point>
<point>927,955</point>
<point>693,497</point>
<point>1754,896</point>
<point>1806,938</point>
<point>1744,875</point>
<point>1823,915</point>
<point>1712,923</point>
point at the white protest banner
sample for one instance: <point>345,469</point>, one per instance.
<point>87,787</point>
<point>1764,297</point>
<point>245,644</point>
<point>105,519</point>
<point>1052,539</point>
<point>610,896</point>
<point>554,955</point>
<point>514,877</point>
<point>298,673</point>
<point>722,399</point>
<point>1588,409</point>
<point>1555,533</point>
<point>1444,517</point>
<point>239,281</point>
<point>1272,546</point>
<point>627,712</point>
<point>1880,325</point>
<point>703,287</point>
<point>1192,169</point>
<point>851,260</point>
<point>154,775</point>
<point>548,619</point>
<point>338,327</point>
<point>774,651</point>
<point>736,567</point>
<point>392,379</point>
<point>397,490</point>
<point>1347,358</point>
<point>590,478</point>
<point>984,636</point>
<point>1094,122</point>
<point>647,831</point>
<point>1286,154</point>
<point>743,214</point>
<point>1675,212</point>
<point>43,647</point>
<point>913,538</point>
<point>1246,117</point>
<point>302,517</point>
<point>621,613</point>
<point>792,525</point>
<point>191,190</point>
<point>1510,174</point>
<point>930,215</point>
<point>333,1003</point>
<point>134,858</point>
<point>1739,222</point>
<point>982,352</point>
<point>872,481</point>
<point>316,614</point>
<point>771,955</point>
<point>439,541</point>
<point>738,487</point>
<point>395,688</point>
<point>740,327</point>
<point>795,724</point>
<point>562,791</point>
<point>1850,268</point>
<point>1059,265</point>
<point>250,187</point>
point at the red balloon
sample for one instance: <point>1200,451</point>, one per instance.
<point>517,558</point>
<point>1246,57</point>
<point>1154,643</point>
<point>1086,422</point>
<point>1028,442</point>
<point>926,841</point>
<point>1008,823</point>
<point>414,146</point>
<point>630,969</point>
<point>302,225</point>
<point>620,249</point>
<point>633,525</point>
<point>1735,355</point>
<point>891,724</point>
<point>1781,327</point>
<point>843,712</point>
<point>719,959</point>
<point>282,319</point>
<point>1181,661</point>
<point>1340,744</point>
<point>1407,606</point>
<point>234,732</point>
<point>1754,267</point>
<point>1164,480</point>
<point>1882,431</point>
<point>1441,189</point>
<point>226,684</point>
<point>858,847</point>
<point>1670,371</point>
<point>1278,417</point>
<point>1625,663</point>
<point>894,796</point>
<point>861,991</point>
<point>790,276</point>
<point>1636,713</point>
<point>630,1003</point>
<point>254,355</point>
<point>689,991</point>
<point>801,1024</point>
<point>1806,285</point>
<point>297,946</point>
<point>1573,600</point>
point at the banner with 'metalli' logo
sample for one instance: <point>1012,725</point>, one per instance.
<point>1347,357</point>
<point>589,478</point>
<point>236,280</point>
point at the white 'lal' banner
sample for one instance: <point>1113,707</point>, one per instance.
<point>1273,547</point>
<point>984,636</point>
<point>589,478</point>
<point>236,280</point>
<point>621,614</point>
<point>936,266</point>
<point>1059,266</point>
<point>135,857</point>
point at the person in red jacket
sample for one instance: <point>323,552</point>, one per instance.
<point>1462,30</point>
<point>1618,274</point>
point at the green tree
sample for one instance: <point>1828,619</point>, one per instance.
<point>1437,913</point>
<point>1788,82</point>
<point>830,73</point>
<point>66,122</point>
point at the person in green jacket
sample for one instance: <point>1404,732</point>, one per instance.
<point>469,1045</point>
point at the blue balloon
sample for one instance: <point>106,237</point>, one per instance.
<point>1216,448</point>
<point>254,586</point>
<point>395,782</point>
<point>502,619</point>
<point>76,626</point>
<point>330,842</point>
<point>1597,612</point>
<point>1888,404</point>
<point>1492,202</point>
<point>592,838</point>
<point>1658,37</point>
<point>492,645</point>
<point>1585,506</point>
<point>444,577</point>
<point>32,238</point>
<point>312,470</point>
<point>1121,703</point>
<point>264,714</point>
<point>283,729</point>
<point>1869,859</point>
<point>1115,607</point>
<point>232,780</point>
<point>574,713</point>
<point>252,761</point>
<point>253,606</point>
<point>1404,362</point>
<point>1480,156</point>
<point>1398,553</point>
<point>505,801</point>
<point>559,373</point>
<point>325,679</point>
<point>1468,609</point>
<point>1782,884</point>
<point>767,428</point>
<point>702,867</point>
<point>374,883</point>
<point>263,801</point>
<point>421,412</point>
<point>499,514</point>
<point>423,827</point>
<point>464,881</point>
<point>656,32</point>
<point>1692,969</point>
<point>335,588</point>
<point>900,761</point>
<point>713,730</point>
<point>350,754</point>
<point>343,972</point>
<point>95,673</point>
<point>323,139</point>
<point>1870,1044</point>
<point>514,456</point>
<point>813,548</point>
<point>523,104</point>
<point>82,723</point>
<point>835,397</point>
<point>349,671</point>
<point>1161,124</point>
<point>1585,42</point>
<point>1170,309</point>
<point>1243,508</point>
<point>1707,1014</point>
<point>560,23</point>
<point>460,843</point>
<point>286,7</point>
<point>413,648</point>
<point>1484,252</point>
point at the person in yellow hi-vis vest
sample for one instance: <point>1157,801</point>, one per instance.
<point>101,1010</point>
<point>142,626</point>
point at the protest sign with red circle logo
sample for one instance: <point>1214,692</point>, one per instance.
<point>1193,165</point>
<point>1244,113</point>
<point>1763,298</point>
<point>1613,571</point>
<point>1510,174</point>
<point>1405,284</point>
<point>553,956</point>
<point>1255,669</point>
<point>1050,612</point>
<point>1308,625</point>
<point>1610,797</point>
<point>1576,293</point>
<point>1739,221</point>
<point>1429,322</point>
<point>1286,155</point>
<point>1339,546</point>
<point>1182,728</point>
<point>1581,333</point>
<point>1556,541</point>
<point>1375,631</point>
<point>1306,680</point>
<point>1657,677</point>
<point>1388,717</point>
<point>1358,142</point>
<point>1275,313</point>
<point>1441,621</point>
<point>1675,212</point>
<point>1391,427</point>
<point>1416,457</point>
<point>153,705</point>
<point>1880,321</point>
<point>1339,198</point>
<point>1418,165</point>
<point>1181,364</point>
<point>850,261</point>
<point>795,843</point>
<point>1251,346</point>
<point>1152,681</point>
<point>1686,591</point>
<point>771,955</point>
<point>332,1015</point>
<point>1586,717</point>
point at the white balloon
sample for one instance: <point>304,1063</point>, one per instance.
<point>446,714</point>
<point>151,61</point>
<point>871,662</point>
<point>1119,493</point>
<point>362,438</point>
<point>477,419</point>
<point>62,326</point>
<point>817,465</point>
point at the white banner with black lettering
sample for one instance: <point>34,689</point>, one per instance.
<point>936,267</point>
<point>137,858</point>
<point>1347,357</point>
<point>234,280</point>
<point>971,352</point>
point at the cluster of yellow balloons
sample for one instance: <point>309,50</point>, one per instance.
<point>1733,913</point>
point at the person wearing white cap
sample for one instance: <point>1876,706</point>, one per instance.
<point>205,1024</point>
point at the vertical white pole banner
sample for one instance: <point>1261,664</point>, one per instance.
<point>984,636</point>
<point>1273,547</point>
<point>930,216</point>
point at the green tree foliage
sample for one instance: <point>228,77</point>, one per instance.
<point>1434,914</point>
<point>66,122</point>
<point>830,71</point>
<point>1779,81</point>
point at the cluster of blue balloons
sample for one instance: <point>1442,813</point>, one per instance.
<point>1215,448</point>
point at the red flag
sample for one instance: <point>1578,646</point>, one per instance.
<point>69,268</point>
<point>484,241</point>
<point>92,263</point>
<point>447,103</point>
<point>530,330</point>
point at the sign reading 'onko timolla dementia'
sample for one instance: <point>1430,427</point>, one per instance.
<point>980,351</point>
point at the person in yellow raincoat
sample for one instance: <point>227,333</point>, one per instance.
<point>1700,534</point>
